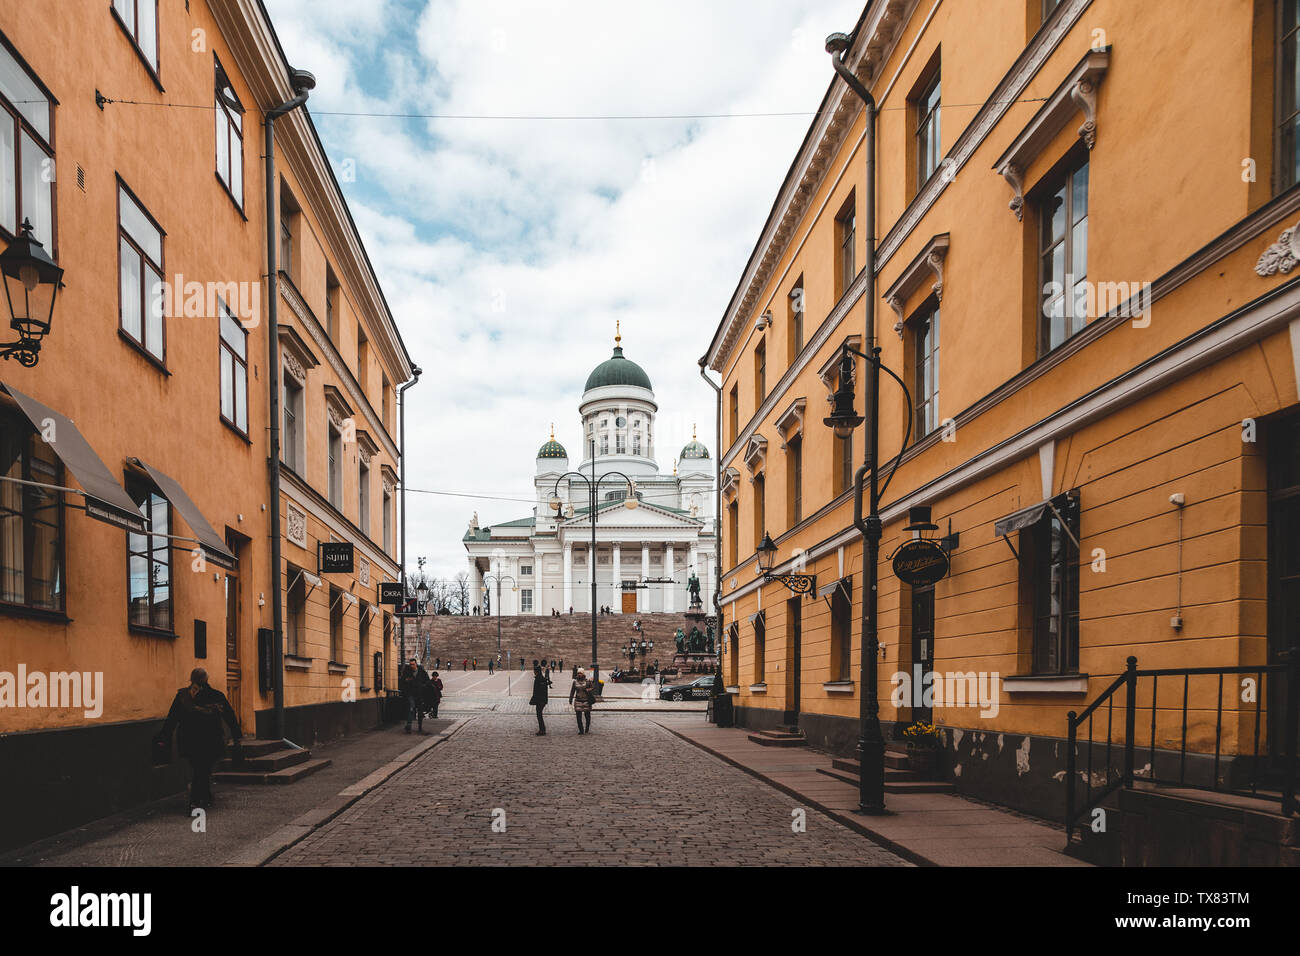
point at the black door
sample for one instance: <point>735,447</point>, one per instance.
<point>1283,564</point>
<point>922,649</point>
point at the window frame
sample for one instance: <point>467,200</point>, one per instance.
<point>1061,179</point>
<point>797,306</point>
<point>841,630</point>
<point>22,126</point>
<point>925,331</point>
<point>334,452</point>
<point>760,371</point>
<point>337,611</point>
<point>759,483</point>
<point>1286,172</point>
<point>760,647</point>
<point>794,459</point>
<point>233,117</point>
<point>143,342</point>
<point>1043,561</point>
<point>237,362</point>
<point>140,483</point>
<point>154,65</point>
<point>26,511</point>
<point>846,231</point>
<point>926,138</point>
<point>292,408</point>
<point>363,496</point>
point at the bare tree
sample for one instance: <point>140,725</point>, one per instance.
<point>460,599</point>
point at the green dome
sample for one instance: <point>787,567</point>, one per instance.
<point>552,449</point>
<point>694,449</point>
<point>617,370</point>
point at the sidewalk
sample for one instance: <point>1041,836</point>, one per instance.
<point>936,829</point>
<point>249,822</point>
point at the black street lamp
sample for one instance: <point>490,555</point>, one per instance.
<point>32,283</point>
<point>514,586</point>
<point>593,486</point>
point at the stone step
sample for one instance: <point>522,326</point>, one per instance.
<point>269,761</point>
<point>257,748</point>
<point>891,775</point>
<point>778,738</point>
<point>291,774</point>
<point>919,786</point>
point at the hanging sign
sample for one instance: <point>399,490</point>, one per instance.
<point>920,563</point>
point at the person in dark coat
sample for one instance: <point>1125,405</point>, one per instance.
<point>199,711</point>
<point>412,684</point>
<point>433,695</point>
<point>540,684</point>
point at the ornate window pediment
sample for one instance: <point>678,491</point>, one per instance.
<point>756,454</point>
<point>337,407</point>
<point>296,356</point>
<point>791,421</point>
<point>928,262</point>
<point>730,479</point>
<point>1078,93</point>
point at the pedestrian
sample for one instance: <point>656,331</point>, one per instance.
<point>491,666</point>
<point>570,608</point>
<point>434,695</point>
<point>580,695</point>
<point>561,663</point>
<point>199,710</point>
<point>411,684</point>
<point>464,665</point>
<point>539,698</point>
<point>575,671</point>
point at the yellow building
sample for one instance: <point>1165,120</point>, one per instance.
<point>135,543</point>
<point>1105,419</point>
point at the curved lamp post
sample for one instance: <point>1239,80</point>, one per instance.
<point>514,586</point>
<point>32,282</point>
<point>593,486</point>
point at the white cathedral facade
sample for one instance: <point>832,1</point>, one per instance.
<point>644,555</point>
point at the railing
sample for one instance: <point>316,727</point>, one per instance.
<point>1284,677</point>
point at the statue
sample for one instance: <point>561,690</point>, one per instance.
<point>708,638</point>
<point>693,585</point>
<point>696,640</point>
<point>681,641</point>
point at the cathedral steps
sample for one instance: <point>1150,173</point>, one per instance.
<point>566,638</point>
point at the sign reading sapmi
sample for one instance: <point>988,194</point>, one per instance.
<point>336,557</point>
<point>920,563</point>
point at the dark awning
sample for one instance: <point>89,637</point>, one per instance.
<point>105,498</point>
<point>1019,520</point>
<point>214,548</point>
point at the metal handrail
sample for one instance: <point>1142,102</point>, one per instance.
<point>1290,731</point>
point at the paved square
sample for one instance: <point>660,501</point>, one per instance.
<point>628,794</point>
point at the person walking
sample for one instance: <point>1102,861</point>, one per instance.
<point>540,684</point>
<point>412,685</point>
<point>491,666</point>
<point>199,710</point>
<point>580,696</point>
<point>434,695</point>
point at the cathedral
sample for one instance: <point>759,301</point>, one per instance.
<point>653,531</point>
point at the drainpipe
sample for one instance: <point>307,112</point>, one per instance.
<point>717,502</point>
<point>401,438</point>
<point>871,742</point>
<point>303,83</point>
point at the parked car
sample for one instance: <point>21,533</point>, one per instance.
<point>699,689</point>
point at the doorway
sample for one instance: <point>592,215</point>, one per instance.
<point>1283,568</point>
<point>629,597</point>
<point>922,651</point>
<point>236,544</point>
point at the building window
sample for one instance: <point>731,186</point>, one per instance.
<point>336,626</point>
<point>794,479</point>
<point>334,476</point>
<point>925,372</point>
<point>332,309</point>
<point>149,599</point>
<point>795,318</point>
<point>363,358</point>
<point>636,442</point>
<point>295,616</point>
<point>292,443</point>
<point>620,442</point>
<point>927,132</point>
<point>733,544</point>
<point>845,236</point>
<point>842,630</point>
<point>26,153</point>
<point>526,600</point>
<point>733,412</point>
<point>289,212</point>
<point>843,476</point>
<point>363,497</point>
<point>386,395</point>
<point>140,19</point>
<point>1063,257</point>
<point>604,444</point>
<point>760,373</point>
<point>364,663</point>
<point>140,268</point>
<point>230,137</point>
<point>760,509</point>
<point>234,371</point>
<point>31,518</point>
<point>760,648</point>
<point>1050,558</point>
<point>388,522</point>
<point>526,570</point>
<point>1288,84</point>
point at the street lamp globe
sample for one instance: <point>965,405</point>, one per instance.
<point>843,417</point>
<point>556,503</point>
<point>631,500</point>
<point>766,553</point>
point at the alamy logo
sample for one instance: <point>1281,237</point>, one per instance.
<point>947,689</point>
<point>73,909</point>
<point>208,300</point>
<point>57,689</point>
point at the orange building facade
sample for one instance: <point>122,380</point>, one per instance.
<point>134,491</point>
<point>1084,276</point>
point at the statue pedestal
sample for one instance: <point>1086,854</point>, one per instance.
<point>691,663</point>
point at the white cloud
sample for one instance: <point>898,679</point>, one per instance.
<point>507,248</point>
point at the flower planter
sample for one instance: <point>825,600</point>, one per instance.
<point>922,760</point>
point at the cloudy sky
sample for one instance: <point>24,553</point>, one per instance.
<point>508,242</point>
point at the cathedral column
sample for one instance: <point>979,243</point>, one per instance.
<point>475,585</point>
<point>568,578</point>
<point>643,594</point>
<point>670,603</point>
<point>616,601</point>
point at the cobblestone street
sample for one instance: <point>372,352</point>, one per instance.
<point>629,794</point>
